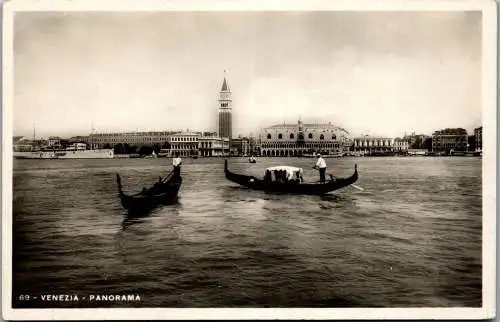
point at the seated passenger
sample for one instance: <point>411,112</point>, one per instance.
<point>298,177</point>
<point>268,177</point>
<point>280,178</point>
<point>284,177</point>
<point>277,177</point>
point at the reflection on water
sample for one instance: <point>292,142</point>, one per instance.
<point>411,238</point>
<point>131,218</point>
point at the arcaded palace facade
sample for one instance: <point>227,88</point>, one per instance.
<point>298,139</point>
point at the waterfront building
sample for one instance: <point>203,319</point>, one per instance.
<point>449,140</point>
<point>110,140</point>
<point>23,148</point>
<point>298,139</point>
<point>54,141</point>
<point>371,144</point>
<point>185,143</point>
<point>400,146</point>
<point>241,145</point>
<point>208,133</point>
<point>213,146</point>
<point>79,139</point>
<point>225,111</point>
<point>478,135</point>
<point>253,145</point>
<point>22,144</point>
<point>379,145</point>
<point>197,144</point>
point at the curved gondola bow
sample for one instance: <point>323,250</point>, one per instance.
<point>163,192</point>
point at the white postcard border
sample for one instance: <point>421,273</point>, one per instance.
<point>489,68</point>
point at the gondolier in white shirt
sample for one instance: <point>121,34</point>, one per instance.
<point>176,162</point>
<point>321,166</point>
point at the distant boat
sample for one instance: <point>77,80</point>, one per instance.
<point>66,154</point>
<point>252,160</point>
<point>474,153</point>
<point>457,153</point>
<point>153,155</point>
<point>294,188</point>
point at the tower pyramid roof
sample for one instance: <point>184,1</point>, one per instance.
<point>225,87</point>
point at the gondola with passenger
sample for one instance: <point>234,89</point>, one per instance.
<point>289,180</point>
<point>163,192</point>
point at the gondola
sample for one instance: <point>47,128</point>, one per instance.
<point>294,188</point>
<point>252,160</point>
<point>164,192</point>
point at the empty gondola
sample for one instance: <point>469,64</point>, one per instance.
<point>294,186</point>
<point>164,192</point>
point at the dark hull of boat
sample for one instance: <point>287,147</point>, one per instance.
<point>164,193</point>
<point>252,161</point>
<point>302,188</point>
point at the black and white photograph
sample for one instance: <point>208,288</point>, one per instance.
<point>199,160</point>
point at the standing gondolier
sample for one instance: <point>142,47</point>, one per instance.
<point>176,162</point>
<point>321,166</point>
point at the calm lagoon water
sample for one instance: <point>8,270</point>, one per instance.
<point>412,238</point>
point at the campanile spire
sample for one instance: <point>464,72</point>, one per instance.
<point>225,110</point>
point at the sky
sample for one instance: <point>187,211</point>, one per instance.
<point>375,73</point>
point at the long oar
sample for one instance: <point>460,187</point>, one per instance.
<point>357,187</point>
<point>352,184</point>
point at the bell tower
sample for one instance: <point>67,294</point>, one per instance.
<point>225,110</point>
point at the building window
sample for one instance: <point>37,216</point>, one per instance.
<point>321,137</point>
<point>269,136</point>
<point>280,136</point>
<point>310,135</point>
<point>291,136</point>
<point>334,137</point>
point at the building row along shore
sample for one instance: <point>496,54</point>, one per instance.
<point>281,140</point>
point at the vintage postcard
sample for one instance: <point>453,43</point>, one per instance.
<point>249,159</point>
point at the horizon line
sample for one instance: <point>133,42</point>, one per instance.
<point>126,131</point>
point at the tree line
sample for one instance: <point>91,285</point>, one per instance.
<point>422,144</point>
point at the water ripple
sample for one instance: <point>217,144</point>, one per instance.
<point>412,238</point>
